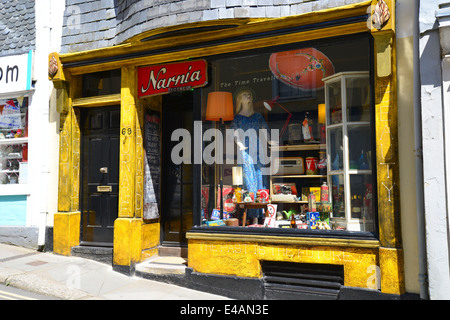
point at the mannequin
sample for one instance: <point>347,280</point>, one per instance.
<point>247,118</point>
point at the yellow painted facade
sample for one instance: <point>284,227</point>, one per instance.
<point>66,232</point>
<point>366,263</point>
<point>127,241</point>
<point>243,259</point>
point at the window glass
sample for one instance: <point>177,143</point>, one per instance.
<point>14,141</point>
<point>297,151</point>
<point>101,83</point>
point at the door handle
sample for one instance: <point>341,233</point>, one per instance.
<point>104,170</point>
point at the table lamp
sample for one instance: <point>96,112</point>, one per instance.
<point>322,120</point>
<point>220,108</point>
<point>238,181</point>
<point>269,106</point>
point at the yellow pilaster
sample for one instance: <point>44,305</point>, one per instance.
<point>139,180</point>
<point>66,232</point>
<point>128,227</point>
<point>128,144</point>
<point>392,271</point>
<point>65,162</point>
<point>69,163</point>
<point>387,159</point>
<point>75,168</point>
<point>127,241</point>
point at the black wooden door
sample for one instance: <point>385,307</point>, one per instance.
<point>100,174</point>
<point>177,179</point>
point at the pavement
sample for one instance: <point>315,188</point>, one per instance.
<point>75,278</point>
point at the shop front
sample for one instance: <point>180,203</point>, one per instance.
<point>264,151</point>
<point>16,93</point>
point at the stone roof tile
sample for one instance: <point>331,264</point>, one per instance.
<point>17,26</point>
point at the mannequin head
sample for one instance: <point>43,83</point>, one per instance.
<point>244,100</point>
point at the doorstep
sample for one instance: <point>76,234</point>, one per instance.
<point>98,253</point>
<point>162,265</point>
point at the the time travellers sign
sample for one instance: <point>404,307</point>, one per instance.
<point>172,77</point>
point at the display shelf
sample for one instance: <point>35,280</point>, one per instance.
<point>349,124</point>
<point>300,147</point>
<point>298,176</point>
<point>359,171</point>
<point>347,98</point>
<point>13,141</point>
<point>289,202</point>
<point>14,189</point>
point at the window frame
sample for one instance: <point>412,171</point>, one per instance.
<point>357,235</point>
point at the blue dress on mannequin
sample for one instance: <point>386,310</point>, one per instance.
<point>253,180</point>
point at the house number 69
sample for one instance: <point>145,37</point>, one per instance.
<point>127,131</point>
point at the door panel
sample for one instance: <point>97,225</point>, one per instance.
<point>100,173</point>
<point>176,184</point>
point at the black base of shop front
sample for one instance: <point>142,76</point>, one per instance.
<point>256,289</point>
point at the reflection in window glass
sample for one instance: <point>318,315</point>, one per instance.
<point>335,102</point>
<point>101,83</point>
<point>362,204</point>
<point>336,149</point>
<point>360,147</point>
<point>338,196</point>
<point>358,99</point>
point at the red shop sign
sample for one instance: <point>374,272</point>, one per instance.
<point>171,77</point>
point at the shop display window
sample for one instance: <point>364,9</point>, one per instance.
<point>14,141</point>
<point>297,150</point>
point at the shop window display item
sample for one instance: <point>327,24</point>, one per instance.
<point>246,118</point>
<point>349,131</point>
<point>220,108</point>
<point>303,68</point>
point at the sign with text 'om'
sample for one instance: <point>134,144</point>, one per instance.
<point>15,73</point>
<point>172,77</point>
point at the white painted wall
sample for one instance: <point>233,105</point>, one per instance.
<point>434,129</point>
<point>407,156</point>
<point>43,123</point>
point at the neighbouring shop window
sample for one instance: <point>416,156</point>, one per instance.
<point>14,141</point>
<point>297,150</point>
<point>101,83</point>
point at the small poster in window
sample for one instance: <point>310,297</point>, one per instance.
<point>10,117</point>
<point>270,220</point>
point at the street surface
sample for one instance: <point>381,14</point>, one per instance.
<point>10,293</point>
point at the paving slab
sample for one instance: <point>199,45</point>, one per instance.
<point>75,278</point>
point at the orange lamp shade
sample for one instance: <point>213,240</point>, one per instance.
<point>220,106</point>
<point>322,113</point>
